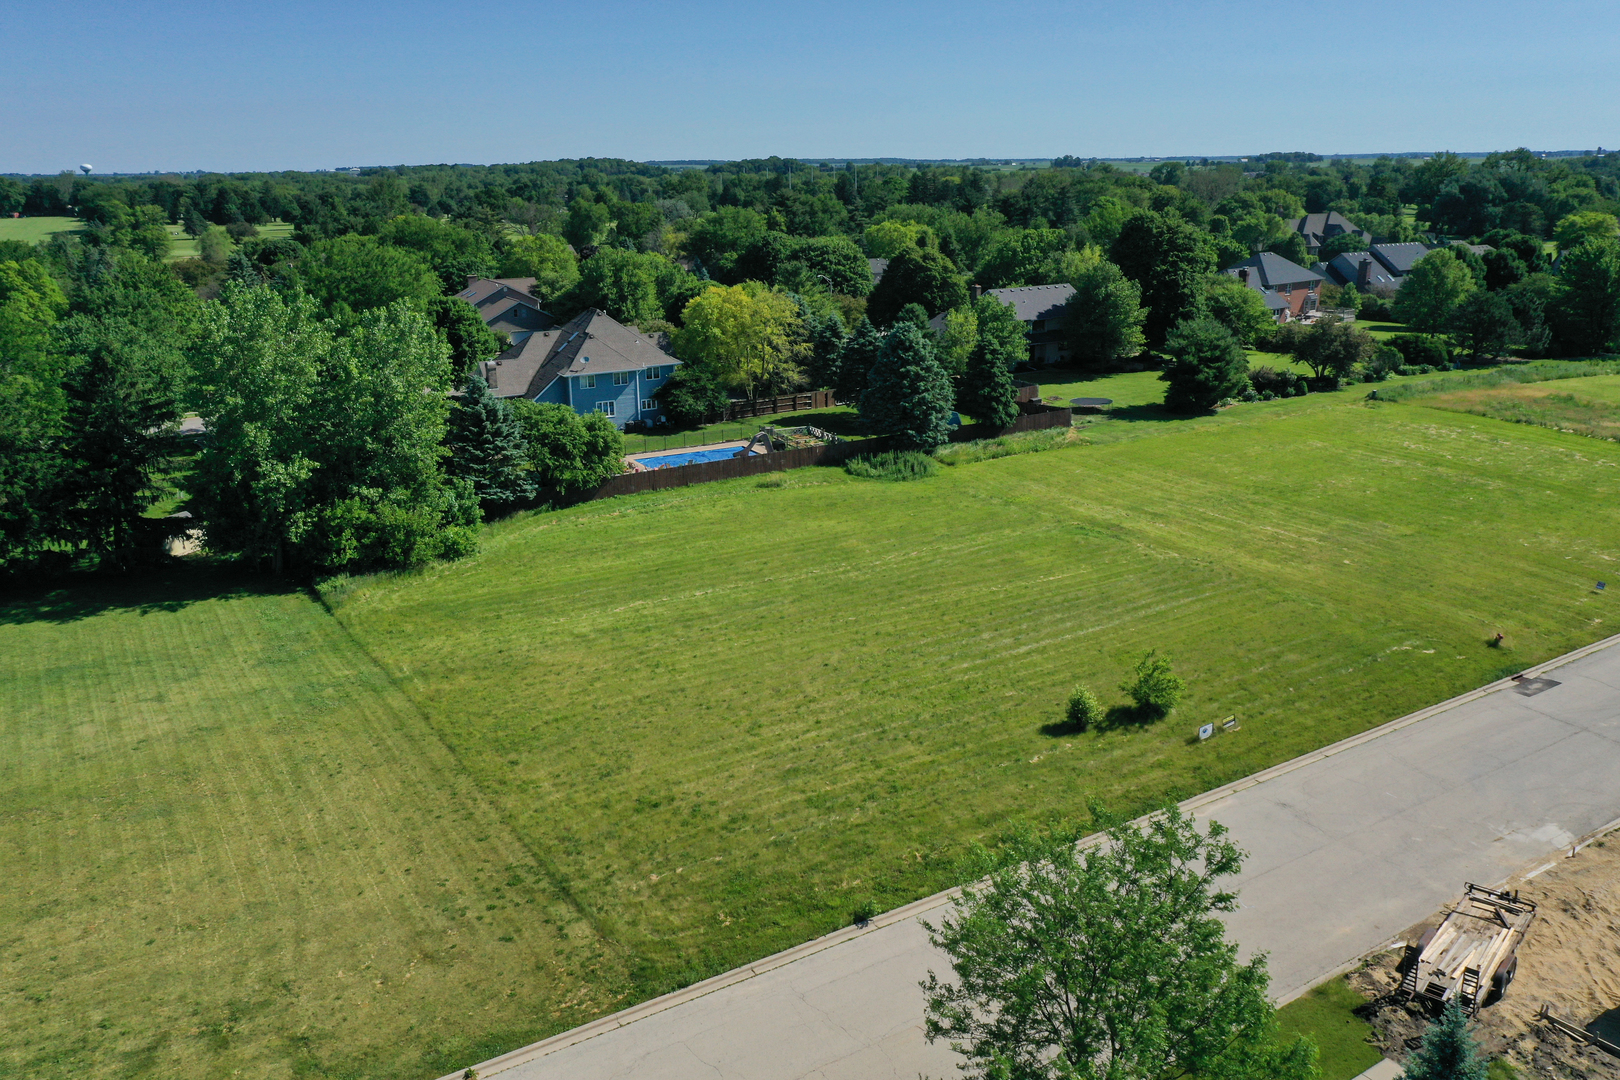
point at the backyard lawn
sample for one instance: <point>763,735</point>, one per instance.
<point>736,713</point>
<point>232,847</point>
<point>31,230</point>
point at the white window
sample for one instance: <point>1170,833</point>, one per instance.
<point>605,408</point>
<point>653,374</point>
<point>621,378</point>
<point>649,405</point>
<point>587,382</point>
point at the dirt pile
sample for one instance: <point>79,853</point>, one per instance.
<point>1568,962</point>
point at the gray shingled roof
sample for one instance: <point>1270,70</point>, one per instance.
<point>877,266</point>
<point>1033,302</point>
<point>1399,258</point>
<point>1346,270</point>
<point>1272,271</point>
<point>590,343</point>
<point>1319,227</point>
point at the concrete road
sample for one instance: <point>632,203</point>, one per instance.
<point>1347,847</point>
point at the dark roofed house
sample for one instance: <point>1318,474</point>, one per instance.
<point>1041,308</point>
<point>1319,228</point>
<point>1399,259</point>
<point>1275,277</point>
<point>1363,270</point>
<point>877,267</point>
<point>507,306</point>
<point>592,363</point>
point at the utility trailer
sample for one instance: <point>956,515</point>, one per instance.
<point>1472,955</point>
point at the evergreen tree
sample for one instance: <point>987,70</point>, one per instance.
<point>987,392</point>
<point>1448,1051</point>
<point>855,362</point>
<point>487,447</point>
<point>909,395</point>
<point>1206,366</point>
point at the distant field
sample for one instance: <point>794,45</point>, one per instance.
<point>31,230</point>
<point>184,246</point>
<point>736,713</point>
<point>233,847</point>
<point>1589,406</point>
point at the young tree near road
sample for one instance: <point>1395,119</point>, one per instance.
<point>1449,1051</point>
<point>909,395</point>
<point>1206,366</point>
<point>1108,962</point>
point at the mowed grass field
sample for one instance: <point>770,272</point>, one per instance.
<point>730,715</point>
<point>232,847</point>
<point>1589,406</point>
<point>31,230</point>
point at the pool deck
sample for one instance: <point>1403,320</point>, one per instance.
<point>637,461</point>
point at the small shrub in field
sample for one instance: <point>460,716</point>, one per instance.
<point>865,911</point>
<point>893,465</point>
<point>1084,709</point>
<point>1422,349</point>
<point>1277,383</point>
<point>1153,685</point>
<point>1379,366</point>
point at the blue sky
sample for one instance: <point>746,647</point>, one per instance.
<point>134,85</point>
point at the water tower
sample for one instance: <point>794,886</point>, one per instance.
<point>85,169</point>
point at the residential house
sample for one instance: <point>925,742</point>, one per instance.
<point>591,363</point>
<point>1317,229</point>
<point>1288,289</point>
<point>877,266</point>
<point>1382,266</point>
<point>1041,308</point>
<point>507,306</point>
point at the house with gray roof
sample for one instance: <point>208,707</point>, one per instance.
<point>1041,308</point>
<point>591,363</point>
<point>1317,229</point>
<point>1363,270</point>
<point>507,306</point>
<point>1278,279</point>
<point>1399,259</point>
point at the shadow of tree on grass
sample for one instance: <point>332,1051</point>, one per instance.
<point>1117,718</point>
<point>74,596</point>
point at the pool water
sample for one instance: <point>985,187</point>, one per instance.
<point>689,457</point>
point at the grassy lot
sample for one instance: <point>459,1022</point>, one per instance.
<point>31,230</point>
<point>232,847</point>
<point>184,246</point>
<point>734,713</point>
<point>1327,1015</point>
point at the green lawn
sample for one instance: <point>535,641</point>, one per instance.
<point>233,847</point>
<point>1327,1015</point>
<point>735,713</point>
<point>184,246</point>
<point>31,230</point>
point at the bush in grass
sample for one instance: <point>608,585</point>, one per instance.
<point>1277,383</point>
<point>1422,350</point>
<point>1084,708</point>
<point>892,465</point>
<point>1384,362</point>
<point>1153,686</point>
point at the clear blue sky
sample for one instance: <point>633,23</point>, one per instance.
<point>135,85</point>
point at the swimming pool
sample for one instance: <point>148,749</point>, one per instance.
<point>689,457</point>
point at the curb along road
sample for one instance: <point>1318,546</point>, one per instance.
<point>654,1006</point>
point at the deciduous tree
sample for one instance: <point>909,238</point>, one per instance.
<point>1333,347</point>
<point>1107,961</point>
<point>1437,283</point>
<point>1585,308</point>
<point>916,277</point>
<point>567,451</point>
<point>751,337</point>
<point>546,258</point>
<point>1169,260</point>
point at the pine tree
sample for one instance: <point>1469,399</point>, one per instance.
<point>988,394</point>
<point>855,361</point>
<point>1449,1051</point>
<point>487,447</point>
<point>909,395</point>
<point>1206,365</point>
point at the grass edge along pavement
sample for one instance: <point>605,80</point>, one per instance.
<point>233,845</point>
<point>1328,1014</point>
<point>1413,512</point>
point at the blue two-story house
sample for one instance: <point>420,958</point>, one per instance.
<point>592,363</point>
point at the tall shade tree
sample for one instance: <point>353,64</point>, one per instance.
<point>1575,229</point>
<point>718,239</point>
<point>1206,366</point>
<point>622,283</point>
<point>1022,257</point>
<point>546,258</point>
<point>32,405</point>
<point>455,253</point>
<point>1437,284</point>
<point>1169,259</point>
<point>1238,308</point>
<point>908,394</point>
<point>354,273</point>
<point>1107,961</point>
<point>325,454</point>
<point>568,452</point>
<point>751,337</point>
<point>916,277</point>
<point>1333,347</point>
<point>123,410</point>
<point>1484,324</point>
<point>1584,311</point>
<point>1104,322</point>
<point>958,338</point>
<point>464,331</point>
<point>487,448</point>
<point>886,239</point>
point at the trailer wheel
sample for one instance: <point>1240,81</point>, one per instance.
<point>1502,977</point>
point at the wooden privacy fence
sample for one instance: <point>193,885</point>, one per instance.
<point>1036,417</point>
<point>814,399</point>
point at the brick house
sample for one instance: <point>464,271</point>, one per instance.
<point>1290,290</point>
